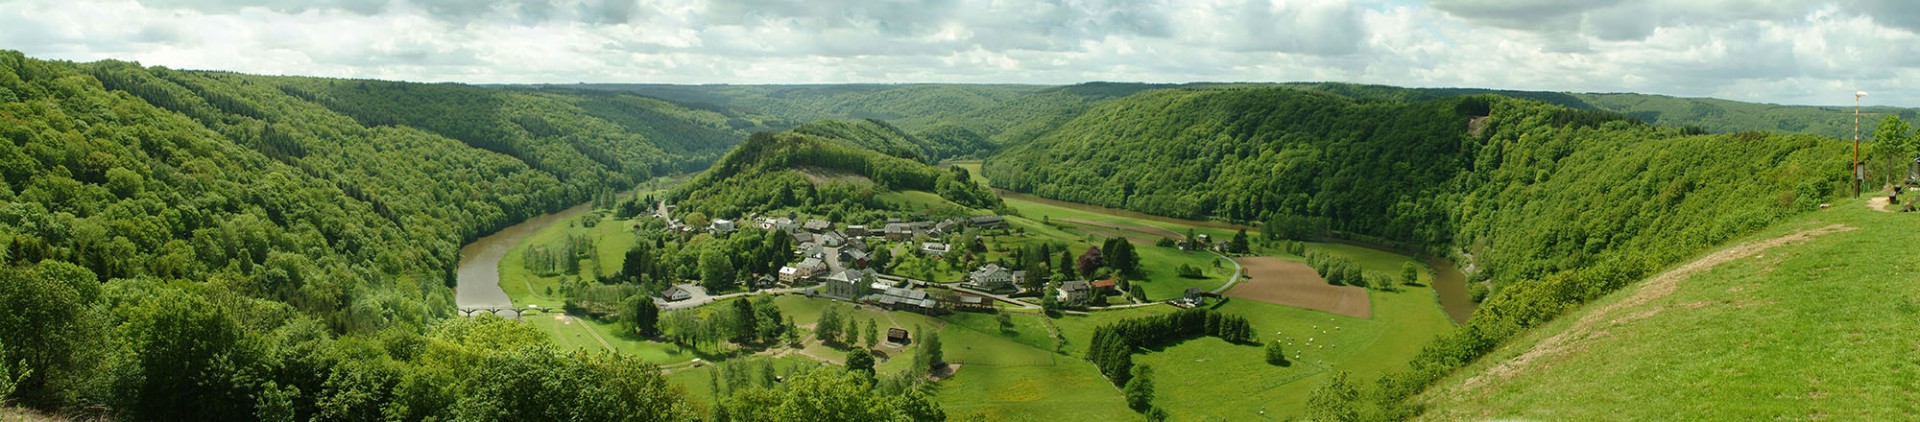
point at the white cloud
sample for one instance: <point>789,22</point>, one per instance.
<point>1787,51</point>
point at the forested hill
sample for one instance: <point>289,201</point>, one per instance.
<point>833,169</point>
<point>179,245</point>
<point>965,121</point>
<point>1554,206</point>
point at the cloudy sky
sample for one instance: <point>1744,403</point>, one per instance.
<point>1781,51</point>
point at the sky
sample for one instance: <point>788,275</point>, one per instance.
<point>1775,51</point>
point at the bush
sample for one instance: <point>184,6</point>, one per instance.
<point>1275,355</point>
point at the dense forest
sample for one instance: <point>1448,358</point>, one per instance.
<point>829,168</point>
<point>207,245</point>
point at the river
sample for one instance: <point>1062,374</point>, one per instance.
<point>477,284</point>
<point>1449,284</point>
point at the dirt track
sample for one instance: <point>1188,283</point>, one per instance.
<point>1294,284</point>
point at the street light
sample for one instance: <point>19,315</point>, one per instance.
<point>1857,176</point>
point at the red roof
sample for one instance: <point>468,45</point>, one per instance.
<point>1102,284</point>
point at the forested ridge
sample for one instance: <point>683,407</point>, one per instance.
<point>207,245</point>
<point>839,169</point>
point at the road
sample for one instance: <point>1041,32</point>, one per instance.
<point>703,298</point>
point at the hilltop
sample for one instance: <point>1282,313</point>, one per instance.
<point>831,168</point>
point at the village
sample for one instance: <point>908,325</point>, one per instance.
<point>837,261</point>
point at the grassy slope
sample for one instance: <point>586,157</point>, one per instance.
<point>1811,330</point>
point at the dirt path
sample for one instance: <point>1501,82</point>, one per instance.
<point>1878,203</point>
<point>590,331</point>
<point>1281,282</point>
<point>1598,322</point>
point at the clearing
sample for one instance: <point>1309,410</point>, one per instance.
<point>1289,283</point>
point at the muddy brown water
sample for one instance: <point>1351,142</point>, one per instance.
<point>477,283</point>
<point>1449,284</point>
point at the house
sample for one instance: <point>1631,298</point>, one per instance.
<point>809,249</point>
<point>680,292</point>
<point>802,238</point>
<point>764,281</point>
<point>781,224</point>
<point>1194,297</point>
<point>856,231</point>
<point>990,277</point>
<point>1108,285</point>
<point>897,336</point>
<point>854,256</point>
<point>831,239</point>
<point>935,248</point>
<point>807,268</point>
<point>849,284</point>
<point>817,225</point>
<point>721,226</point>
<point>988,221</point>
<point>898,231</point>
<point>1074,292</point>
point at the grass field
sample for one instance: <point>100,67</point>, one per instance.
<point>1016,374</point>
<point>1810,329</point>
<point>611,240</point>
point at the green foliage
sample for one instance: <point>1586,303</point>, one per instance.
<point>1338,270</point>
<point>826,394</point>
<point>1276,355</point>
<point>1112,346</point>
<point>1139,389</point>
<point>930,346</point>
<point>1335,401</point>
<point>860,360</point>
<point>1190,271</point>
<point>1409,273</point>
<point>820,175</point>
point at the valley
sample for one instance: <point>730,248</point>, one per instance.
<point>205,245</point>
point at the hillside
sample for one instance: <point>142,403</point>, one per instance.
<point>829,168</point>
<point>1803,320</point>
<point>213,246</point>
<point>960,121</point>
<point>1553,206</point>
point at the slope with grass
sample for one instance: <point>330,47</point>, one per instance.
<point>1808,319</point>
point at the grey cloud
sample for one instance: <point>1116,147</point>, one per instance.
<point>1323,29</point>
<point>1536,15</point>
<point>363,7</point>
<point>1901,14</point>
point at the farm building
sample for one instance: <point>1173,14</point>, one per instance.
<point>856,231</point>
<point>817,225</point>
<point>898,336</point>
<point>988,221</point>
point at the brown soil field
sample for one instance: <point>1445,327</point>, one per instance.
<point>1276,281</point>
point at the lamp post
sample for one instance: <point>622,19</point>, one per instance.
<point>1857,176</point>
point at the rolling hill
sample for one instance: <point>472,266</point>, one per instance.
<point>1802,320</point>
<point>830,168</point>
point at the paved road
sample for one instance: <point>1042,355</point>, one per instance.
<point>702,299</point>
<point>1230,280</point>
